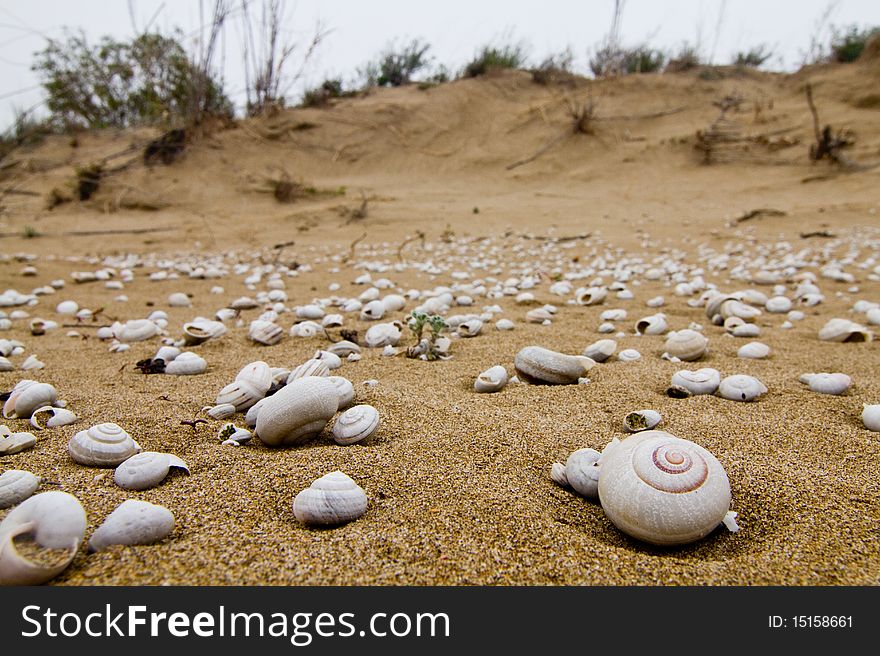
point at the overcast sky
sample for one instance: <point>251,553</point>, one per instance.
<point>359,29</point>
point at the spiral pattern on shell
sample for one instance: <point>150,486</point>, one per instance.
<point>662,489</point>
<point>102,445</point>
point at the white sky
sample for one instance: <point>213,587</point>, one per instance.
<point>454,28</point>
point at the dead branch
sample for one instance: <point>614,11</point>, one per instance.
<point>556,239</point>
<point>828,146</point>
<point>419,236</point>
<point>637,117</point>
<point>752,214</point>
<point>350,255</point>
<point>818,233</point>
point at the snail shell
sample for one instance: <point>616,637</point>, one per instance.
<point>504,324</point>
<point>250,417</point>
<point>344,389</point>
<point>753,350</point>
<point>701,381</point>
<point>654,324</point>
<point>557,474</point>
<point>494,379</point>
<point>778,305</point>
<point>258,374</point>
<point>373,311</point>
<point>825,383</point>
<point>355,424</point>
<point>27,396</point>
<point>470,328</point>
<point>871,417</point>
<point>344,348</point>
<point>102,445</point>
<point>167,353</point>
<point>735,308</point>
<point>311,311</point>
<point>741,388</point>
<point>221,411</point>
<point>662,489</point>
<point>844,330</point>
<point>590,295</point>
<point>382,334</point>
<point>136,330</point>
<point>187,364</point>
<point>641,420</point>
<point>629,355</point>
<point>746,330</point>
<point>305,329</point>
<point>265,332</point>
<point>16,486</point>
<point>16,443</point>
<point>582,472</point>
<point>393,302</point>
<point>6,365</point>
<point>56,520</point>
<point>687,344</point>
<point>241,394</point>
<point>601,350</point>
<point>133,522</point>
<point>297,412</point>
<point>332,360</point>
<point>539,365</point>
<point>332,499</point>
<point>311,367</point>
<point>198,332</point>
<point>232,433</point>
<point>60,417</point>
<point>145,470</point>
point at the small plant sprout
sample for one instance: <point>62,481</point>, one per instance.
<point>433,347</point>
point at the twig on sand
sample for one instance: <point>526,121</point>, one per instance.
<point>354,243</point>
<point>556,239</point>
<point>753,214</point>
<point>418,236</point>
<point>279,248</point>
<point>818,233</point>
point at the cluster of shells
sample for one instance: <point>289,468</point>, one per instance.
<point>651,485</point>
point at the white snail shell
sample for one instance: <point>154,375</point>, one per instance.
<point>16,486</point>
<point>662,489</point>
<point>332,499</point>
<point>601,350</point>
<point>60,417</point>
<point>825,383</point>
<point>136,330</point>
<point>687,344</point>
<point>382,334</point>
<point>590,295</point>
<point>297,412</point>
<point>753,350</point>
<point>504,324</point>
<point>844,330</point>
<point>16,443</point>
<point>582,472</point>
<point>557,474</point>
<point>200,331</point>
<point>311,367</point>
<point>241,394</point>
<point>145,470</point>
<point>250,417</point>
<point>258,374</point>
<point>641,420</point>
<point>470,328</point>
<point>56,520</point>
<point>373,311</point>
<point>305,329</point>
<point>102,445</point>
<point>344,348</point>
<point>746,330</point>
<point>778,305</point>
<point>740,387</point>
<point>265,332</point>
<point>133,522</point>
<point>629,355</point>
<point>493,379</point>
<point>221,411</point>
<point>332,360</point>
<point>344,389</point>
<point>355,424</point>
<point>187,364</point>
<point>654,324</point>
<point>539,365</point>
<point>871,417</point>
<point>27,396</point>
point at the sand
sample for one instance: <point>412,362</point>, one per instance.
<point>458,482</point>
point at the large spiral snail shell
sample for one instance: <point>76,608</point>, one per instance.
<point>27,396</point>
<point>297,412</point>
<point>355,424</point>
<point>102,445</point>
<point>332,499</point>
<point>662,489</point>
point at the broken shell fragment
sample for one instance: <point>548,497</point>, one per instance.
<point>494,379</point>
<point>145,470</point>
<point>844,330</point>
<point>641,420</point>
<point>60,417</point>
<point>133,522</point>
<point>16,443</point>
<point>55,520</point>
